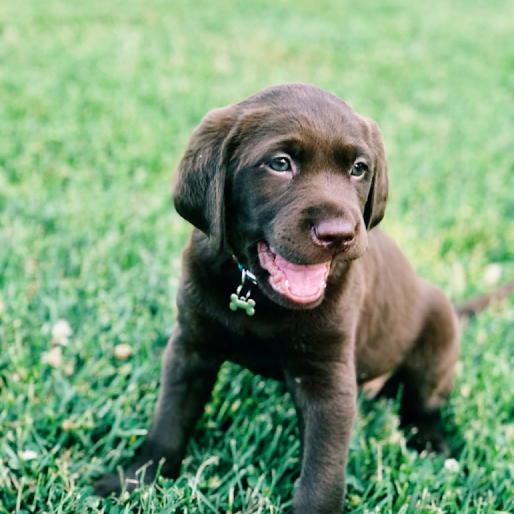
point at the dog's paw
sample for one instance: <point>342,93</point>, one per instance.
<point>427,438</point>
<point>111,484</point>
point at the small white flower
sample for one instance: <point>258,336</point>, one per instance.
<point>53,357</point>
<point>60,332</point>
<point>396,437</point>
<point>492,274</point>
<point>69,369</point>
<point>465,390</point>
<point>122,351</point>
<point>451,465</point>
<point>67,424</point>
<point>28,455</point>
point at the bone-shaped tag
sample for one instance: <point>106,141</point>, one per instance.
<point>248,305</point>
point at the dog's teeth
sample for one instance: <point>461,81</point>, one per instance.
<point>286,283</point>
<point>323,284</point>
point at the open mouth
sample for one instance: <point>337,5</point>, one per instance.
<point>299,283</point>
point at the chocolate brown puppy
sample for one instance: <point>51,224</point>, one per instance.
<point>287,273</point>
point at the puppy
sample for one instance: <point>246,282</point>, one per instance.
<point>287,273</point>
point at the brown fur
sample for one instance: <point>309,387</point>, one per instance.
<point>375,321</point>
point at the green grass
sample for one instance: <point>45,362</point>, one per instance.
<point>97,100</point>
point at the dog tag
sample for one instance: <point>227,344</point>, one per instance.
<point>237,300</point>
<point>248,305</point>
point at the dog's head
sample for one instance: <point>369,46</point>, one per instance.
<point>289,181</point>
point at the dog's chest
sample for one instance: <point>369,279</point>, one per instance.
<point>259,359</point>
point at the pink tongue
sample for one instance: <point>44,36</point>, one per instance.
<point>303,280</point>
<point>302,284</point>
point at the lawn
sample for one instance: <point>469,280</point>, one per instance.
<point>97,101</point>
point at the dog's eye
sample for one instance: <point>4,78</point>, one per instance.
<point>358,170</point>
<point>280,164</point>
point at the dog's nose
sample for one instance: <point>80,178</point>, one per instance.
<point>333,233</point>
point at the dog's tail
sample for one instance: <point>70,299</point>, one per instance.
<point>472,307</point>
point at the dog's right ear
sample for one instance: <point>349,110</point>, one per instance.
<point>199,183</point>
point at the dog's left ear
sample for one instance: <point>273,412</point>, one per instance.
<point>374,209</point>
<point>199,183</point>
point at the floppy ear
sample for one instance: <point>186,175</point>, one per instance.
<point>374,209</point>
<point>199,182</point>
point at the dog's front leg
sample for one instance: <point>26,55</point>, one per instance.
<point>326,405</point>
<point>187,379</point>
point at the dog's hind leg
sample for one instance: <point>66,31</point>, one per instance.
<point>427,373</point>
